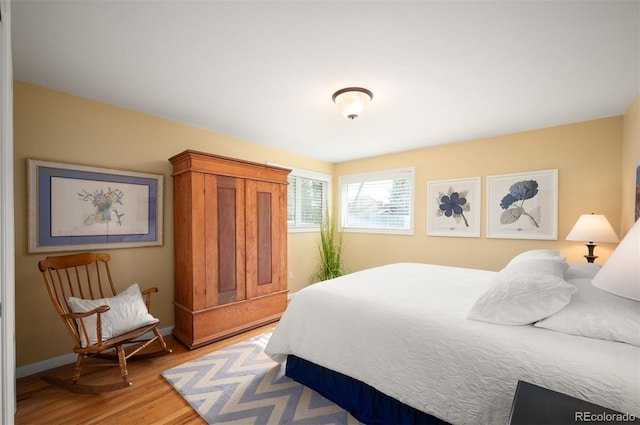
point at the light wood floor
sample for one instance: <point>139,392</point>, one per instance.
<point>150,400</point>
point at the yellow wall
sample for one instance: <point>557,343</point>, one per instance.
<point>630,160</point>
<point>58,127</point>
<point>55,126</point>
<point>587,156</point>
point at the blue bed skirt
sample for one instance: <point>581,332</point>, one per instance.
<point>364,402</point>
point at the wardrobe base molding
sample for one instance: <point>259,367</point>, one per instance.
<point>197,328</point>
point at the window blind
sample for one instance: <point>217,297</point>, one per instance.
<point>377,201</point>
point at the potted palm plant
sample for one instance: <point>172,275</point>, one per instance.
<point>330,248</point>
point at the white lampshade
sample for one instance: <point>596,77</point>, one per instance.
<point>352,101</point>
<point>620,275</point>
<point>592,228</point>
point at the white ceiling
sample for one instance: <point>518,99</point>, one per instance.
<point>264,71</point>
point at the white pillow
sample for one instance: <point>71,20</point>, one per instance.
<point>127,312</point>
<point>524,292</point>
<point>536,254</point>
<point>595,313</point>
<point>582,271</point>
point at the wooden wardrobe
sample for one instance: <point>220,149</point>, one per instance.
<point>230,245</point>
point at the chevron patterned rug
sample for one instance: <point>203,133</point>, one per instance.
<point>240,385</point>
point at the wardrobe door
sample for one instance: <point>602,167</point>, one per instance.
<point>266,208</point>
<point>224,232</point>
<point>188,246</point>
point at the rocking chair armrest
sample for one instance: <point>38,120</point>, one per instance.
<point>101,309</point>
<point>146,294</point>
<point>81,330</point>
<point>149,291</point>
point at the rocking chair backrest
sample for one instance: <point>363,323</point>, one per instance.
<point>84,275</point>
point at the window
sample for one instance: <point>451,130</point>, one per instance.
<point>379,202</point>
<point>307,200</point>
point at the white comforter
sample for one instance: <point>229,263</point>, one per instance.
<point>402,329</point>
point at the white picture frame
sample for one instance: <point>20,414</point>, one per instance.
<point>523,205</point>
<point>445,216</point>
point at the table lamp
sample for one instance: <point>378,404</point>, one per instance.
<point>592,228</point>
<point>620,274</point>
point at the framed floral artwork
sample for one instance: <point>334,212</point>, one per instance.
<point>453,208</point>
<point>637,207</point>
<point>523,205</point>
<point>73,207</point>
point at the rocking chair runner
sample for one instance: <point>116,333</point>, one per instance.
<point>86,276</point>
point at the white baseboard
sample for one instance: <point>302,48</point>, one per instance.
<point>32,368</point>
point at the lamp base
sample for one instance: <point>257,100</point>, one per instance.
<point>590,257</point>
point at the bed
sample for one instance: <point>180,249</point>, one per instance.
<point>403,331</point>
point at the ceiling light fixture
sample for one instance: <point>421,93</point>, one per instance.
<point>352,101</point>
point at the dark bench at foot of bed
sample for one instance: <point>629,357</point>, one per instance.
<point>535,405</point>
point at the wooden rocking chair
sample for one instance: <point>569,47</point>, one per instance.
<point>86,277</point>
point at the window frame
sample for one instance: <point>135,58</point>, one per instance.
<point>326,201</point>
<point>345,180</point>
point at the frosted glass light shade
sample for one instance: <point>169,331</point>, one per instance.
<point>352,101</point>
<point>592,228</point>
<point>620,275</point>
